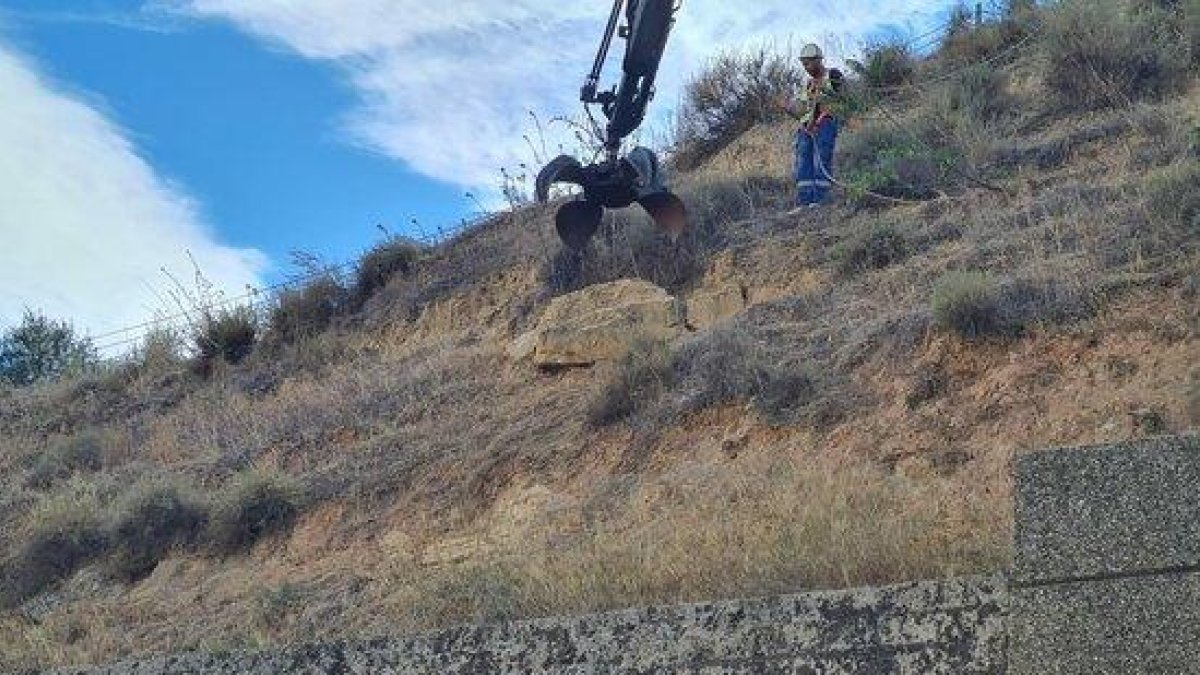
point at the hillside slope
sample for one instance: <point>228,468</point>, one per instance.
<point>854,424</point>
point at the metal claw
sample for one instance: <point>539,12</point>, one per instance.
<point>577,221</point>
<point>562,169</point>
<point>668,212</point>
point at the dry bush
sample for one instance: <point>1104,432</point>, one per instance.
<point>252,506</point>
<point>627,246</point>
<point>978,95</point>
<point>1173,198</point>
<point>720,366</point>
<point>227,335</point>
<point>148,524</point>
<point>873,248</point>
<point>396,256</point>
<point>61,534</point>
<point>969,304</point>
<point>733,363</point>
<point>302,313</point>
<point>975,305</point>
<point>470,593</point>
<point>968,43</point>
<point>273,607</point>
<point>730,96</point>
<point>1110,53</point>
<point>1190,21</point>
<point>640,379</point>
<point>886,66</point>
<point>82,453</point>
<point>160,352</point>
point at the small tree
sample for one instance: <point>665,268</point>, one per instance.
<point>41,349</point>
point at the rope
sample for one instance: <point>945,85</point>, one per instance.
<point>820,164</point>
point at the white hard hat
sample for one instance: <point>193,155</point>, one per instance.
<point>811,51</point>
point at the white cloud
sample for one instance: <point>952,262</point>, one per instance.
<point>86,225</point>
<point>446,86</point>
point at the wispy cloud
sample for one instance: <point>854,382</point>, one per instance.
<point>151,17</point>
<point>87,225</point>
<point>446,86</point>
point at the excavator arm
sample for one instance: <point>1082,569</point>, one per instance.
<point>619,181</point>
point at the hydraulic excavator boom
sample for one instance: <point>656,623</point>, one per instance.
<point>618,181</point>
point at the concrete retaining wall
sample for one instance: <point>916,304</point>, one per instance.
<point>1107,559</point>
<point>946,627</point>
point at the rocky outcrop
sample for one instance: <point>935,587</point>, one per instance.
<point>600,323</point>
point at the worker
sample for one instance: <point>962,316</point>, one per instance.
<point>818,114</point>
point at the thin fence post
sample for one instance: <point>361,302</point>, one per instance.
<point>978,14</point>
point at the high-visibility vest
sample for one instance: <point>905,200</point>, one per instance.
<point>821,97</point>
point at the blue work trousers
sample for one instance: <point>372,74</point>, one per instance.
<point>814,162</point>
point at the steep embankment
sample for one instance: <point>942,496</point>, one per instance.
<point>846,416</point>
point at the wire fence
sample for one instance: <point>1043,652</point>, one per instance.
<point>115,343</point>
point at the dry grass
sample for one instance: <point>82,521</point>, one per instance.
<point>772,524</point>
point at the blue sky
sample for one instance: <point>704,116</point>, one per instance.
<point>139,135</point>
<point>249,129</point>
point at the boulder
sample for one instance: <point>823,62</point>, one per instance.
<point>600,323</point>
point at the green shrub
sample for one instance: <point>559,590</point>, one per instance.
<point>732,94</point>
<point>252,506</point>
<point>970,305</point>
<point>302,313</point>
<point>873,249</point>
<point>41,349</point>
<point>84,452</point>
<point>1111,53</point>
<point>902,159</point>
<point>62,534</point>
<point>397,255</point>
<point>640,379</point>
<point>225,335</point>
<point>150,522</point>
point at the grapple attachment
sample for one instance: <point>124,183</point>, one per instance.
<point>611,185</point>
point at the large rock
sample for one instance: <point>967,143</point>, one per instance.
<point>600,323</point>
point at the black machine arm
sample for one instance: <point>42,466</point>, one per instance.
<point>618,182</point>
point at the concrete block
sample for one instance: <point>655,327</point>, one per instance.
<point>1111,510</point>
<point>1125,626</point>
<point>952,627</point>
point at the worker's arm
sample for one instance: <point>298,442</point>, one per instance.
<point>788,107</point>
